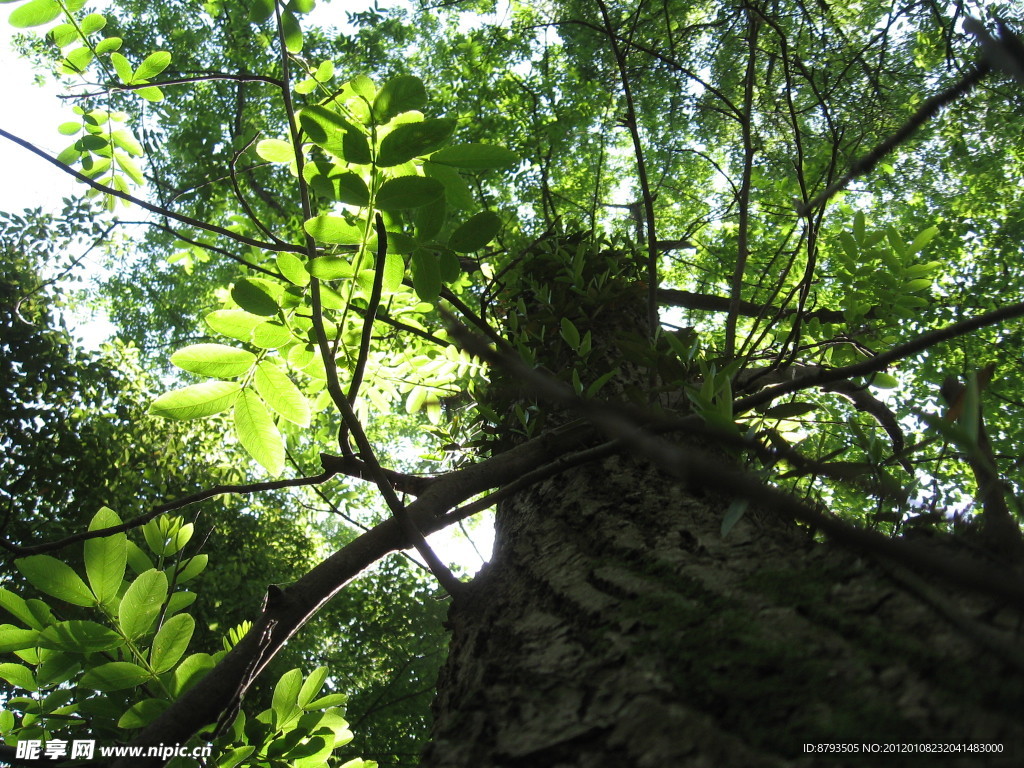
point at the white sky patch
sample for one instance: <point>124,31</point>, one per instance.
<point>33,113</point>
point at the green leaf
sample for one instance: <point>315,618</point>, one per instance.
<point>278,391</point>
<point>19,609</point>
<point>426,275</point>
<point>191,567</point>
<point>271,336</point>
<point>92,22</point>
<point>152,65</point>
<point>286,694</point>
<point>475,157</point>
<point>570,333</point>
<point>122,67</point>
<point>292,31</point>
<point>276,151</point>
<point>399,94</point>
<point>14,639</point>
<point>152,93</point>
<point>884,381</point>
<point>260,10</point>
<point>456,190</point>
<point>55,578</point>
<point>214,360</point>
<point>190,671</point>
<point>80,637</point>
<point>257,432</point>
<point>351,190</point>
<point>171,641</point>
<point>142,713</point>
<point>311,686</point>
<point>77,61</point>
<point>789,410</point>
<point>141,603</point>
<point>330,268</point>
<point>292,267</point>
<point>477,232</point>
<point>235,323</point>
<point>108,44</point>
<point>114,676</point>
<point>124,140</point>
<point>196,401</point>
<point>925,237</point>
<point>408,192</point>
<point>918,285</point>
<point>19,676</point>
<point>253,299</point>
<point>410,140</point>
<point>394,272</point>
<point>333,229</point>
<point>35,13</point>
<point>106,558</point>
<point>63,35</point>
<point>733,514</point>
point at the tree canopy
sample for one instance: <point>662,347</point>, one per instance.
<point>373,272</point>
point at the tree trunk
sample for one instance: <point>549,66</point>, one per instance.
<point>616,626</point>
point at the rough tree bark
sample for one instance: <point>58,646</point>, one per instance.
<point>615,626</point>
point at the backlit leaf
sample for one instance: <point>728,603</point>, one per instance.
<point>196,401</point>
<point>215,360</point>
<point>257,432</point>
<point>152,65</point>
<point>105,558</point>
<point>142,602</point>
<point>56,578</point>
<point>278,391</point>
<point>171,641</point>
<point>334,229</point>
<point>34,13</point>
<point>275,151</point>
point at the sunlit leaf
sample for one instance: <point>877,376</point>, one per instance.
<point>106,557</point>
<point>292,31</point>
<point>235,323</point>
<point>215,360</point>
<point>334,229</point>
<point>34,13</point>
<point>257,432</point>
<point>56,578</point>
<point>152,65</point>
<point>171,641</point>
<point>196,401</point>
<point>141,603</point>
<point>278,391</point>
<point>276,151</point>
